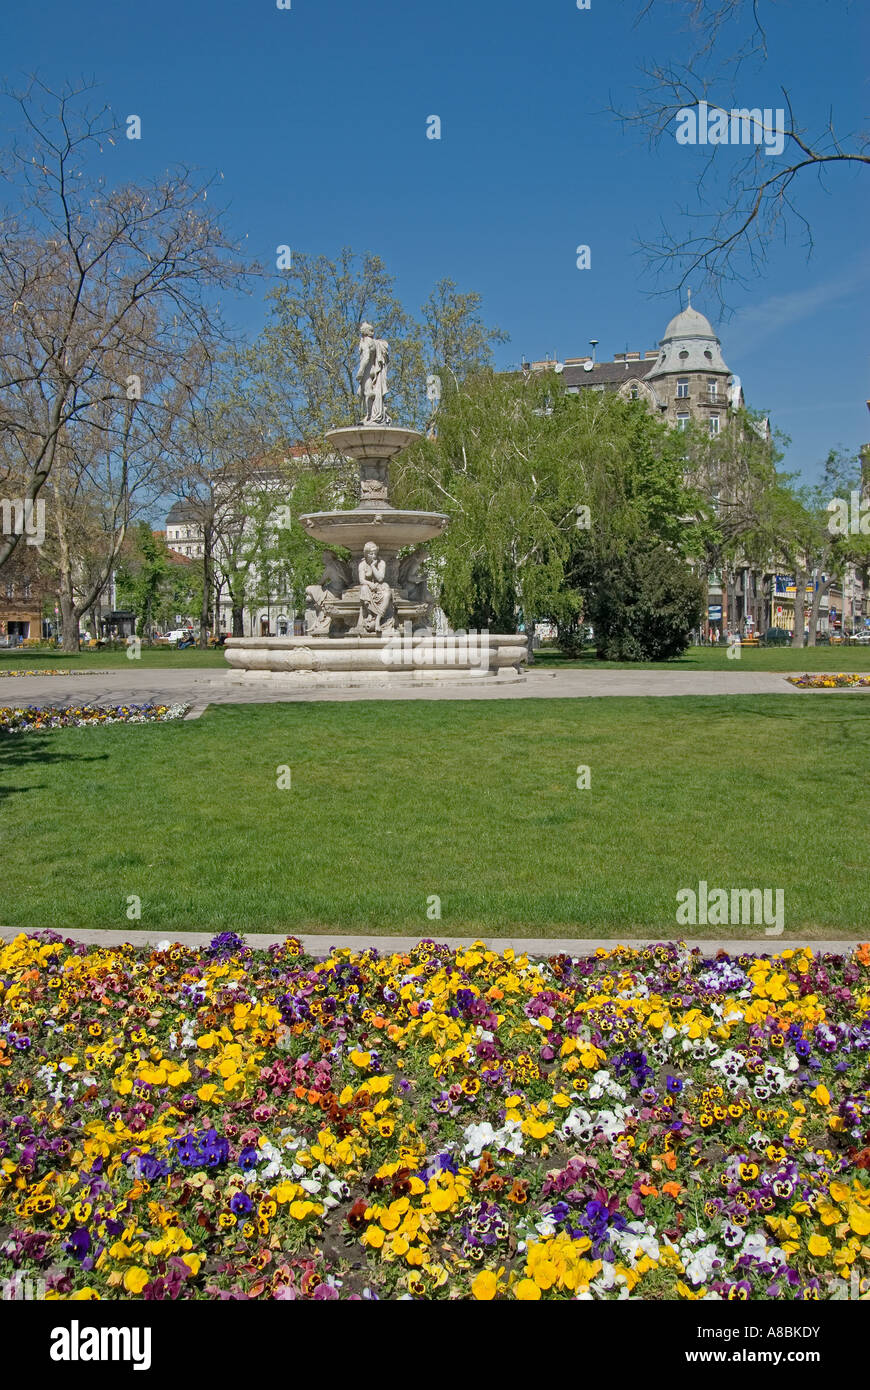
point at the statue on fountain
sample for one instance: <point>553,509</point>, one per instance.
<point>374,356</point>
<point>375,594</point>
<point>319,598</point>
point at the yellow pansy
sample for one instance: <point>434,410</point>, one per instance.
<point>527,1291</point>
<point>819,1246</point>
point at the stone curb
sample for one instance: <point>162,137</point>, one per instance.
<point>321,944</point>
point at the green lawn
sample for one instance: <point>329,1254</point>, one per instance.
<point>851,658</point>
<point>846,658</point>
<point>25,659</point>
<point>475,802</point>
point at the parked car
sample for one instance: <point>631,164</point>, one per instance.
<point>862,637</point>
<point>777,637</point>
<point>179,634</point>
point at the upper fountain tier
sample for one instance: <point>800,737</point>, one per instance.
<point>372,443</point>
<point>378,443</point>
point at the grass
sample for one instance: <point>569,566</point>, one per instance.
<point>786,659</point>
<point>845,658</point>
<point>27,659</point>
<point>475,802</point>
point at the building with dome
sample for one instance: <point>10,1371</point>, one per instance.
<point>685,378</point>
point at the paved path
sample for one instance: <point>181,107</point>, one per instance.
<point>321,943</point>
<point>214,686</point>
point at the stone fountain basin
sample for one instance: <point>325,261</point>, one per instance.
<point>390,528</point>
<point>399,659</point>
<point>378,442</point>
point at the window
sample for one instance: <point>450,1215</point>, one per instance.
<point>682,388</point>
<point>26,589</point>
<point>712,388</point>
<point>682,421</point>
<point>714,424</point>
<point>634,393</point>
<point>10,589</point>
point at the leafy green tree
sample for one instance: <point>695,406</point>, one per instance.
<point>818,549</point>
<point>642,599</point>
<point>139,580</point>
<point>527,473</point>
<point>154,585</point>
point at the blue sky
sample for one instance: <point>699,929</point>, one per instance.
<point>316,117</point>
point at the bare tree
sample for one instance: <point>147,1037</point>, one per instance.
<point>221,443</point>
<point>726,235</point>
<point>102,290</point>
<point>108,471</point>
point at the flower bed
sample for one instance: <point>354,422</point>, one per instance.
<point>223,1123</point>
<point>54,671</point>
<point>20,719</point>
<point>829,682</point>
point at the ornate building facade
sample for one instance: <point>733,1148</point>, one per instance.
<point>685,379</point>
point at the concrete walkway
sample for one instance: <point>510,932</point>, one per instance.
<point>321,944</point>
<point>201,688</point>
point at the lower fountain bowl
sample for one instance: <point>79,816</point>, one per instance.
<point>400,659</point>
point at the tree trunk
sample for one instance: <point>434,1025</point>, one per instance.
<point>818,595</point>
<point>800,583</point>
<point>69,618</point>
<point>207,583</point>
<point>69,623</point>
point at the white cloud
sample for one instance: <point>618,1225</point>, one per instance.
<point>757,323</point>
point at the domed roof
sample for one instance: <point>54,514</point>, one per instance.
<point>689,324</point>
<point>689,345</point>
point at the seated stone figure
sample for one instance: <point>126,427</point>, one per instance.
<point>375,595</point>
<point>319,598</point>
<point>317,616</point>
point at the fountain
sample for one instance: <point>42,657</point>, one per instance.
<point>368,621</point>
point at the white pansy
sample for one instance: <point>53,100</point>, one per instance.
<point>701,1264</point>
<point>477,1138</point>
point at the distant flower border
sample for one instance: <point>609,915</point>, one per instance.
<point>22,719</point>
<point>826,681</point>
<point>53,671</point>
